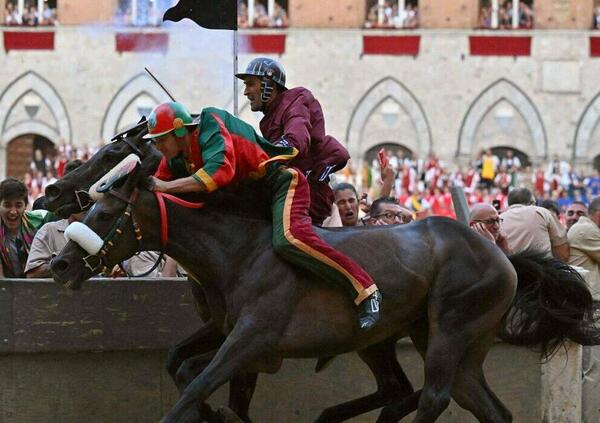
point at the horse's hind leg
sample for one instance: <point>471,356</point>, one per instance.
<point>471,390</point>
<point>391,383</point>
<point>444,353</point>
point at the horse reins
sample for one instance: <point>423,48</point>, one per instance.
<point>164,229</point>
<point>117,229</point>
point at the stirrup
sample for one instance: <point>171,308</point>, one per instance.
<point>368,311</point>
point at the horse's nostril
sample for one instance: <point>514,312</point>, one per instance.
<point>52,191</point>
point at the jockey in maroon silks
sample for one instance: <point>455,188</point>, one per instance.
<point>220,150</point>
<point>293,117</point>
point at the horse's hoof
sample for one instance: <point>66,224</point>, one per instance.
<point>227,415</point>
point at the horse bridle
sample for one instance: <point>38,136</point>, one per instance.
<point>116,231</point>
<point>84,201</point>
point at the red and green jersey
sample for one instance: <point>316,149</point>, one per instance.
<point>228,151</point>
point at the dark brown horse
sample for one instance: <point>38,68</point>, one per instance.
<point>443,284</point>
<point>69,195</point>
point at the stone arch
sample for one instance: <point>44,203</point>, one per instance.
<point>139,85</point>
<point>31,82</point>
<point>499,91</point>
<point>388,90</point>
<point>586,128</point>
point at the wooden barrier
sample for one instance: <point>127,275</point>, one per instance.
<point>98,355</point>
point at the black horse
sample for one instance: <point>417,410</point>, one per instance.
<point>443,284</point>
<point>69,195</point>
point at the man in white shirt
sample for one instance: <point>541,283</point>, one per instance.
<point>533,229</point>
<point>584,241</point>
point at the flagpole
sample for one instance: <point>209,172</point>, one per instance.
<point>235,70</point>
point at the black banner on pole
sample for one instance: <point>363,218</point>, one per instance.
<point>210,14</point>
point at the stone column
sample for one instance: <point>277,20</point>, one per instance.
<point>561,386</point>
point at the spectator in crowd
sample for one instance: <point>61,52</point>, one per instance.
<point>584,242</point>
<point>485,220</point>
<point>280,17</point>
<point>11,15</point>
<point>552,206</point>
<point>242,15</point>
<point>346,201</point>
<point>576,210</point>
<point>387,211</point>
<point>532,228</point>
<point>17,229</point>
<point>489,164</point>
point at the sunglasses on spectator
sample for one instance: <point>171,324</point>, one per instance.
<point>388,215</point>
<point>578,213</point>
<point>490,222</point>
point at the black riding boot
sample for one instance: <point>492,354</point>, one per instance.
<point>368,311</point>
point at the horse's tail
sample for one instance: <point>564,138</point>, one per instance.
<point>553,303</point>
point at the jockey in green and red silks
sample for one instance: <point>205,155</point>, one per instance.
<point>218,150</point>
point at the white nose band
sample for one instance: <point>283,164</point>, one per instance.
<point>95,195</point>
<point>85,237</point>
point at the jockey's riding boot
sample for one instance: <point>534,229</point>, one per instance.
<point>368,311</point>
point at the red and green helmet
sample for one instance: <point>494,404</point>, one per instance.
<point>167,117</point>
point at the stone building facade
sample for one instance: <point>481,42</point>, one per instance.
<point>445,88</point>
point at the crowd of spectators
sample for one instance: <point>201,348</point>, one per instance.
<point>423,185</point>
<point>505,15</point>
<point>387,14</point>
<point>46,169</point>
<point>30,15</point>
<point>30,236</point>
<point>261,18</point>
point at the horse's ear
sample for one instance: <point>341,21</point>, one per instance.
<point>132,130</point>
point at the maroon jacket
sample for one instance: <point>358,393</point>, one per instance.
<point>295,118</point>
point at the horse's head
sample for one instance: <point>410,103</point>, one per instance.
<point>109,234</point>
<point>69,194</point>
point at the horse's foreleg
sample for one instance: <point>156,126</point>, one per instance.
<point>245,343</point>
<point>205,339</point>
<point>241,390</point>
<point>391,383</point>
